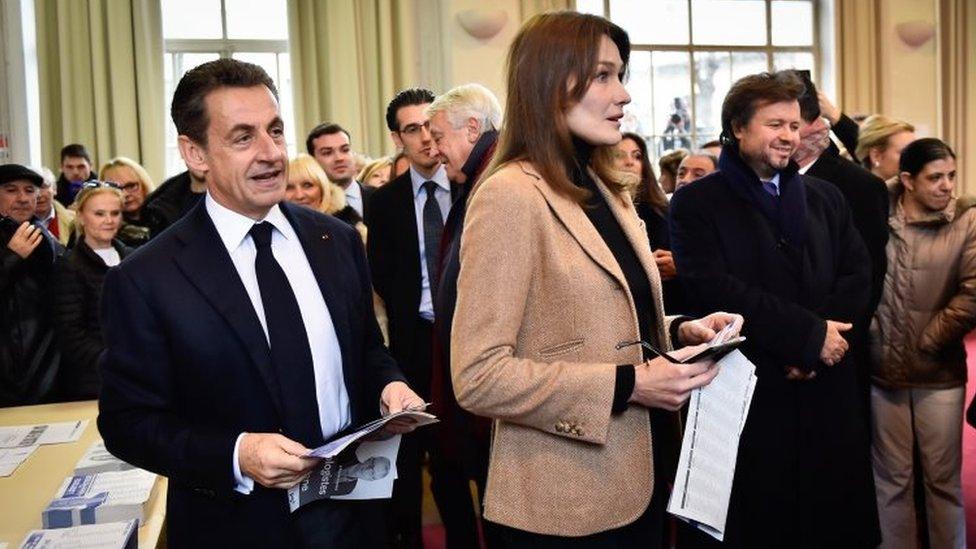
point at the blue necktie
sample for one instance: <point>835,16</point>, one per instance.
<point>291,356</point>
<point>771,188</point>
<point>433,228</point>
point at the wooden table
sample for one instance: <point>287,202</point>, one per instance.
<point>27,492</point>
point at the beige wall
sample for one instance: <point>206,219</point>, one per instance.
<point>909,77</point>
<point>470,59</point>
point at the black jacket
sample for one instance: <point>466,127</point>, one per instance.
<point>77,292</point>
<point>169,202</point>
<point>803,476</point>
<point>63,192</point>
<point>394,260</point>
<point>658,233</point>
<point>867,198</point>
<point>187,368</point>
<point>847,132</point>
<point>29,356</point>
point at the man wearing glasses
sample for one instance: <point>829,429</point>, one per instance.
<point>405,226</point>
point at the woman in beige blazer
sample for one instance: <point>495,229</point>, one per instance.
<point>557,277</point>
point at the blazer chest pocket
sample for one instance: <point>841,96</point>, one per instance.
<point>562,348</point>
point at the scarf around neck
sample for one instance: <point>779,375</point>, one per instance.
<point>787,212</point>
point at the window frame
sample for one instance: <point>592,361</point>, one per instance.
<point>691,49</point>
<point>225,48</point>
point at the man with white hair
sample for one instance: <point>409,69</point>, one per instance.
<point>51,213</point>
<point>464,125</point>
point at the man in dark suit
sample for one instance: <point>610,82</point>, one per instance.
<point>329,145</point>
<point>243,336</point>
<point>868,200</point>
<point>405,226</point>
<point>779,248</point>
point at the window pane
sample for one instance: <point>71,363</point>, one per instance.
<point>792,23</point>
<point>672,95</point>
<point>746,63</point>
<point>257,19</point>
<point>660,22</point>
<point>793,60</point>
<point>590,6</point>
<point>715,72</point>
<point>191,19</point>
<point>713,76</point>
<point>177,64</point>
<point>639,113</point>
<point>729,22</point>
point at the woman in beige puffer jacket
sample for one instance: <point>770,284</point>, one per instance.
<point>919,361</point>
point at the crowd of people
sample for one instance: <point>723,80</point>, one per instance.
<point>255,305</point>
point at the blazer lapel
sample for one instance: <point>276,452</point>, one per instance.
<point>208,266</point>
<point>574,219</point>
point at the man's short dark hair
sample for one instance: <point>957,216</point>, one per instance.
<point>405,98</point>
<point>751,92</point>
<point>75,150</point>
<point>809,102</point>
<point>325,128</point>
<point>189,110</point>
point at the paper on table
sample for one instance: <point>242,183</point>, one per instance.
<point>11,458</point>
<point>44,433</point>
<point>706,466</point>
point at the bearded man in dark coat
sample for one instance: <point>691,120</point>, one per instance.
<point>780,248</point>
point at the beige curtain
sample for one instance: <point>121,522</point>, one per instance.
<point>101,79</point>
<point>957,20</point>
<point>349,57</point>
<point>856,25</point>
<point>532,7</point>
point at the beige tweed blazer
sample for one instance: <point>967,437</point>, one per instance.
<point>541,305</point>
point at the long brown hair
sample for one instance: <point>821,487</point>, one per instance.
<point>551,51</point>
<point>646,190</point>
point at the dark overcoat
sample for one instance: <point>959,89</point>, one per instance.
<point>803,476</point>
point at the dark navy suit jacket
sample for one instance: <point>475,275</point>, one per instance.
<point>188,368</point>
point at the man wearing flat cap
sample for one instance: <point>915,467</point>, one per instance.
<point>29,355</point>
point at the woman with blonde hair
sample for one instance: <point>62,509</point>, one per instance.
<point>880,142</point>
<point>377,172</point>
<point>556,293</point>
<point>309,186</point>
<point>136,184</point>
<point>78,286</point>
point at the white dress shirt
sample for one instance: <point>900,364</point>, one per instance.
<point>443,196</point>
<point>330,387</point>
<point>354,196</point>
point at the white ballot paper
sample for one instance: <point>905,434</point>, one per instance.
<point>11,458</point>
<point>46,433</point>
<point>716,417</point>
